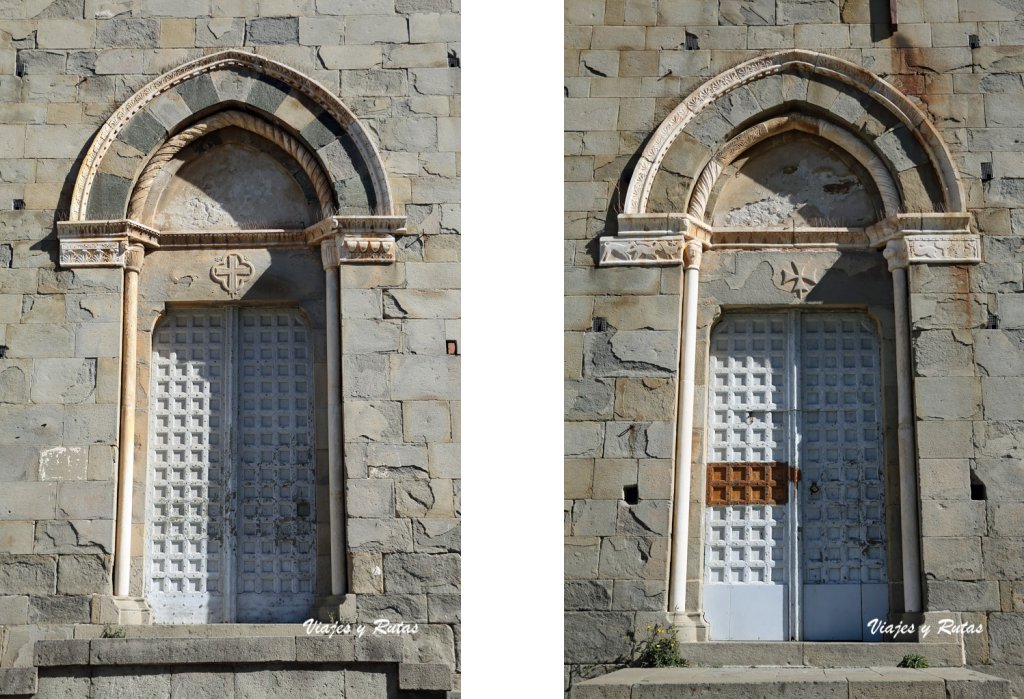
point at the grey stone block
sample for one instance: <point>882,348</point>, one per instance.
<point>381,535</point>
<point>86,500</point>
<point>631,557</point>
<point>597,636</point>
<point>397,608</point>
<point>202,684</point>
<point>87,574</point>
<point>128,33</point>
<point>589,399</point>
<point>424,676</point>
<point>584,439</point>
<point>62,609</point>
<point>1001,397</point>
<point>162,651</point>
<point>18,681</point>
<point>588,594</point>
<point>108,198</point>
<point>144,132</point>
<point>426,421</point>
<point>61,653</point>
<point>424,498</point>
<point>424,378</point>
<point>1006,638</point>
<point>199,92</point>
<point>953,518</point>
<point>63,380</point>
<point>360,683</point>
<point>370,497</point>
<point>325,649</point>
<point>13,609</point>
<point>966,596</point>
<point>28,500</point>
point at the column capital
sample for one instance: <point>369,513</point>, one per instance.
<point>102,243</point>
<point>692,253</point>
<point>133,258</point>
<point>895,253</point>
<point>356,239</point>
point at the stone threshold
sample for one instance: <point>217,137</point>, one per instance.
<point>806,683</point>
<point>313,650</point>
<point>820,654</point>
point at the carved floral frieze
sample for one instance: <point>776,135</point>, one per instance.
<point>92,253</point>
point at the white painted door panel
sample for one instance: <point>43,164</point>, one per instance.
<point>801,390</point>
<point>230,506</point>
<point>746,546</point>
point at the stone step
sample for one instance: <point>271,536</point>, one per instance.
<point>793,683</point>
<point>816,654</point>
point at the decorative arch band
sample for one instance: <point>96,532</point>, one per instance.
<point>794,122</point>
<point>790,61</point>
<point>222,120</point>
<point>137,126</point>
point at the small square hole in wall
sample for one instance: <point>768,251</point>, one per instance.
<point>18,204</point>
<point>986,172</point>
<point>452,346</point>
<point>977,488</point>
<point>600,324</point>
<point>631,494</point>
<point>974,41</point>
<point>3,351</point>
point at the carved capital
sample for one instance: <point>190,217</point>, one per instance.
<point>329,253</point>
<point>356,239</point>
<point>692,255</point>
<point>895,253</point>
<point>366,249</point>
<point>133,258</point>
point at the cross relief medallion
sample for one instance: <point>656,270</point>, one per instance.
<point>232,273</point>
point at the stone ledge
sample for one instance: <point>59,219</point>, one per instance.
<point>18,681</point>
<point>727,683</point>
<point>816,654</point>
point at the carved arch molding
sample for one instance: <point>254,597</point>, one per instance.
<point>260,96</point>
<point>781,92</point>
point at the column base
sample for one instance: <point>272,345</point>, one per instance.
<point>340,608</point>
<point>903,621</point>
<point>124,611</point>
<point>690,626</point>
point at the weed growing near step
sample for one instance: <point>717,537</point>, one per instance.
<point>914,660</point>
<point>661,649</point>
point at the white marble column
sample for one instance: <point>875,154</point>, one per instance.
<point>335,478</point>
<point>126,431</point>
<point>896,254</point>
<point>684,427</point>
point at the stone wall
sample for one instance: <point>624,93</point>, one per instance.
<point>628,64</point>
<point>65,66</point>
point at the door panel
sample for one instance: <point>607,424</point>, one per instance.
<point>275,478</point>
<point>842,540</point>
<point>794,393</point>
<point>746,544</point>
<point>187,457</point>
<point>231,521</point>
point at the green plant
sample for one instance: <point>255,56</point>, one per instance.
<point>111,631</point>
<point>914,660</point>
<point>661,649</point>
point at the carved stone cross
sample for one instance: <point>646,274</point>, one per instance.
<point>232,273</point>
